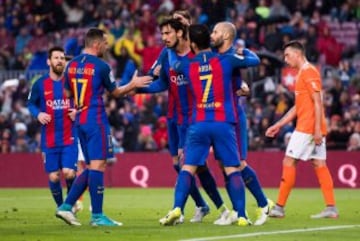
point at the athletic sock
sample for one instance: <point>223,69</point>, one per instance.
<point>182,188</point>
<point>177,168</point>
<point>208,182</point>
<point>96,189</point>
<point>78,187</point>
<point>195,194</point>
<point>56,192</point>
<point>286,184</point>
<point>237,193</point>
<point>69,183</point>
<point>326,185</point>
<point>252,183</point>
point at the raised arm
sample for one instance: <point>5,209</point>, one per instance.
<point>274,129</point>
<point>136,82</point>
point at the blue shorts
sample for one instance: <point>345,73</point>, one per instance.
<point>201,136</point>
<point>95,141</point>
<point>57,158</point>
<point>241,133</point>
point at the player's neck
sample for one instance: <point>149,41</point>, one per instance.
<point>182,48</point>
<point>302,63</point>
<point>54,76</point>
<point>90,51</point>
<point>198,51</point>
<point>224,47</point>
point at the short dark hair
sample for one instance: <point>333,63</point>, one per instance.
<point>295,44</point>
<point>53,49</point>
<point>174,24</point>
<point>200,35</point>
<point>92,35</point>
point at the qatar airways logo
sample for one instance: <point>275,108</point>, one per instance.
<point>179,79</point>
<point>59,104</point>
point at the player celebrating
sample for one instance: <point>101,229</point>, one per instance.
<point>213,118</point>
<point>307,142</point>
<point>86,78</point>
<point>222,38</point>
<point>47,102</point>
<point>174,35</point>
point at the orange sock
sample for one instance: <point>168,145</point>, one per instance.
<point>326,184</point>
<point>286,184</point>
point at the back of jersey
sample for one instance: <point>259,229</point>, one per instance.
<point>87,76</point>
<point>211,78</point>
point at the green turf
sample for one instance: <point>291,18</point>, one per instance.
<point>28,214</point>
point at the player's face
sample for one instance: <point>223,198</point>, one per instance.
<point>291,56</point>
<point>57,62</point>
<point>216,37</point>
<point>169,36</point>
<point>103,47</point>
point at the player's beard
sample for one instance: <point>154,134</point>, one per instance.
<point>217,44</point>
<point>175,44</point>
<point>58,69</point>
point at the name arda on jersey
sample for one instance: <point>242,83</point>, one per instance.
<point>205,68</point>
<point>59,104</point>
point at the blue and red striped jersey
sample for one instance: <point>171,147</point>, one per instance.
<point>211,85</point>
<point>87,77</point>
<point>48,95</point>
<point>179,97</point>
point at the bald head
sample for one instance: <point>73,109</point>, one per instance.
<point>223,35</point>
<point>229,29</point>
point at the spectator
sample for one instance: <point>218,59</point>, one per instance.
<point>160,135</point>
<point>354,142</point>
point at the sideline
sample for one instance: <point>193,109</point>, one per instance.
<point>244,235</point>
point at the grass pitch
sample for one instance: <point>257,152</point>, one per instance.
<point>28,215</point>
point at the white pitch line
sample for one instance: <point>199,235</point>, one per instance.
<point>244,235</point>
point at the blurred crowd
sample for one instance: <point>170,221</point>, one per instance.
<point>328,29</point>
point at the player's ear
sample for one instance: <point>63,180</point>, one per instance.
<point>48,61</point>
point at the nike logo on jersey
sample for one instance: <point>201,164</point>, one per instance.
<point>47,92</point>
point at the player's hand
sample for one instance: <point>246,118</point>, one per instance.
<point>182,19</point>
<point>239,51</point>
<point>44,118</point>
<point>318,138</point>
<point>272,131</point>
<point>72,113</point>
<point>244,90</point>
<point>141,81</point>
<point>157,69</point>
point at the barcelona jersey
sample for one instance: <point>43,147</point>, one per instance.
<point>87,77</point>
<point>47,95</point>
<point>179,97</point>
<point>211,84</point>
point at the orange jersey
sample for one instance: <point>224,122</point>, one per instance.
<point>308,81</point>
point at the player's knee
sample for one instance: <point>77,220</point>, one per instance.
<point>243,164</point>
<point>69,173</point>
<point>54,176</point>
<point>98,165</point>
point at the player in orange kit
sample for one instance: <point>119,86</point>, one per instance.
<point>307,142</point>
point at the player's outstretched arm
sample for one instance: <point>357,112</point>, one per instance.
<point>245,58</point>
<point>136,82</point>
<point>274,129</point>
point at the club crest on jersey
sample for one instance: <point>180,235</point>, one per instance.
<point>58,104</point>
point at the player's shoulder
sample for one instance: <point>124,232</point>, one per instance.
<point>310,71</point>
<point>42,78</point>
